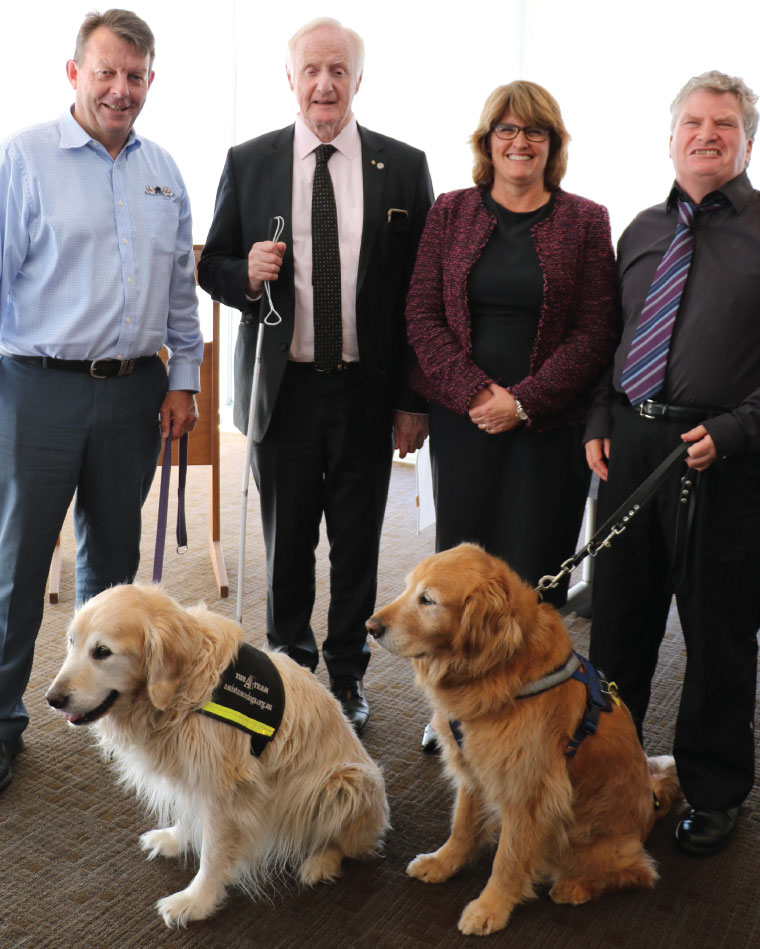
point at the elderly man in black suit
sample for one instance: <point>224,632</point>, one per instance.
<point>333,397</point>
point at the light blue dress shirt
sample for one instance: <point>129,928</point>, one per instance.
<point>96,255</point>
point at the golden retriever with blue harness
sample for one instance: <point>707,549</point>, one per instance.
<point>539,748</point>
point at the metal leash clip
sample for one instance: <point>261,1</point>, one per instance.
<point>611,689</point>
<point>549,582</point>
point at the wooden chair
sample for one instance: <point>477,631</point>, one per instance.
<point>203,449</point>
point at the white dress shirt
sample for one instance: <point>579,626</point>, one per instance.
<point>345,167</point>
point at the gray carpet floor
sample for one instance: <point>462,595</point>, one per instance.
<point>72,875</point>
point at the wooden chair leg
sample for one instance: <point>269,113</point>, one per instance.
<point>214,523</point>
<point>54,577</point>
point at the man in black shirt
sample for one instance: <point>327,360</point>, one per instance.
<point>700,536</point>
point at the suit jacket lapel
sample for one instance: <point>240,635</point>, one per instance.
<point>373,181</point>
<point>279,163</point>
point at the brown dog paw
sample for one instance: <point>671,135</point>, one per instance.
<point>431,868</point>
<point>481,917</point>
<point>573,892</point>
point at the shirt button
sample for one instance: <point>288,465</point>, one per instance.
<point>121,204</point>
<point>129,280</point>
<point>129,319</point>
<point>125,241</point>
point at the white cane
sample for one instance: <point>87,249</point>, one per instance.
<point>272,318</point>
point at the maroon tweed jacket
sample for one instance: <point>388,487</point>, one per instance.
<point>577,331</point>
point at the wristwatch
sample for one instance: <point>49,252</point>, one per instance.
<point>521,413</point>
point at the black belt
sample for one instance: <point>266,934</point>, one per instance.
<point>342,366</point>
<point>97,368</point>
<point>679,413</point>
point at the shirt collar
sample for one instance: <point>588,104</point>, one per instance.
<point>347,142</point>
<point>738,192</point>
<point>74,136</point>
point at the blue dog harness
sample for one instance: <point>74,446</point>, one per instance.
<point>250,696</point>
<point>599,699</point>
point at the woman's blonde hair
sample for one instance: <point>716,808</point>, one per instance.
<point>533,105</point>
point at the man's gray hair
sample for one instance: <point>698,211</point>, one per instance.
<point>357,43</point>
<point>125,24</point>
<point>714,81</point>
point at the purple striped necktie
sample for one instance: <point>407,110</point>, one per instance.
<point>644,371</point>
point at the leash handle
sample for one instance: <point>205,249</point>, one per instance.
<point>619,520</point>
<point>272,318</point>
<point>163,504</point>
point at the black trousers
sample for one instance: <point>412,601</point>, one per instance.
<point>518,494</point>
<point>714,572</point>
<point>321,456</point>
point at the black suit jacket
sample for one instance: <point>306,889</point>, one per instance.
<point>255,186</point>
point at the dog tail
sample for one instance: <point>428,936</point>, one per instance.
<point>665,786</point>
<point>352,801</point>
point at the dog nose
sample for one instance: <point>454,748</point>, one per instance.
<point>55,700</point>
<point>375,627</point>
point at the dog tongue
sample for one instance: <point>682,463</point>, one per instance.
<point>71,718</point>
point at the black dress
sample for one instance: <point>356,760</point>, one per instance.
<point>520,494</point>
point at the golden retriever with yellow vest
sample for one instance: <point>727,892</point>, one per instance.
<point>138,668</point>
<point>478,637</point>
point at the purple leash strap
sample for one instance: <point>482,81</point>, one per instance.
<point>181,525</point>
<point>163,504</point>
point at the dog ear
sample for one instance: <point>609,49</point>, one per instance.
<point>488,623</point>
<point>169,654</point>
<point>163,678</point>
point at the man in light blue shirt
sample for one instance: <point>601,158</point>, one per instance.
<point>96,274</point>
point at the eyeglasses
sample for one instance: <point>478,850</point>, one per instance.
<point>508,132</point>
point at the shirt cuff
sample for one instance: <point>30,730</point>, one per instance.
<point>185,377</point>
<point>727,435</point>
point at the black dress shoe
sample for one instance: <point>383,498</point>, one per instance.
<point>8,751</point>
<point>350,693</point>
<point>703,832</point>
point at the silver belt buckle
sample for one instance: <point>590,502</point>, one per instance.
<point>125,367</point>
<point>339,367</point>
<point>643,413</point>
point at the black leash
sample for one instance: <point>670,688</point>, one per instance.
<point>163,504</point>
<point>618,521</point>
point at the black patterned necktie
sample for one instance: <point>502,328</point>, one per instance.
<point>325,274</point>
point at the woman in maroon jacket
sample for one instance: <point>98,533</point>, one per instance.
<point>511,316</point>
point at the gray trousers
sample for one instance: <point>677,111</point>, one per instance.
<point>64,434</point>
